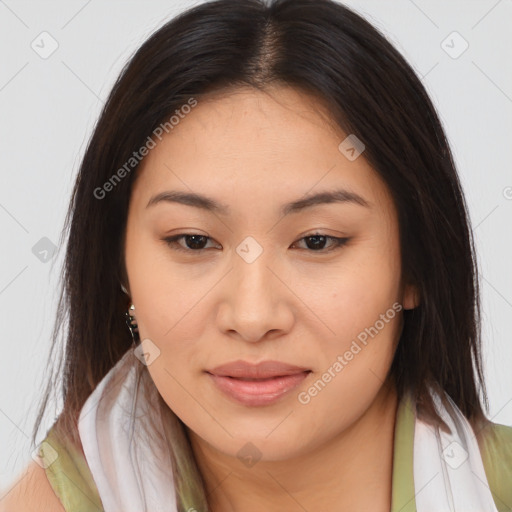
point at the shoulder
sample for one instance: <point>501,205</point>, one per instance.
<point>62,482</point>
<point>495,442</point>
<point>31,492</point>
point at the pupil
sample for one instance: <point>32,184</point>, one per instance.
<point>317,237</point>
<point>195,243</point>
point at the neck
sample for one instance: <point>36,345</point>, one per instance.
<point>352,471</point>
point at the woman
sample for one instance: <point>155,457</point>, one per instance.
<point>270,200</point>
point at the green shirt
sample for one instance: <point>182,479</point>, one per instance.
<point>72,481</point>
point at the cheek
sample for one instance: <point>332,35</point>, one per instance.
<point>174,385</point>
<point>356,295</point>
<point>363,310</point>
<point>366,317</point>
<point>164,294</point>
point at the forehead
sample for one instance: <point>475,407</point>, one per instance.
<point>257,145</point>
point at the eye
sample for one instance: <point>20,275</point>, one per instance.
<point>316,242</point>
<point>196,243</point>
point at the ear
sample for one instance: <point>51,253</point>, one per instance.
<point>411,297</point>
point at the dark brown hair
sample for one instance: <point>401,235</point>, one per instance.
<point>322,48</point>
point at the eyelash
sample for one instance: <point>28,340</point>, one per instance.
<point>338,242</point>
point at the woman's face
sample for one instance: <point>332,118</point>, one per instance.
<point>251,286</point>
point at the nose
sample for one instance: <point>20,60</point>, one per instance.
<point>257,304</point>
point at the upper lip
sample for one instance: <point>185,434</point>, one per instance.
<point>263,370</point>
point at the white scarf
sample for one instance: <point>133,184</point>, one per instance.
<point>134,474</point>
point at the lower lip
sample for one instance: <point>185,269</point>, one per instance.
<point>258,392</point>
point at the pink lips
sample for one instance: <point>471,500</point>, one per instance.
<point>260,384</point>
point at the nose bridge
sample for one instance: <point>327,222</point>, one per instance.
<point>256,303</point>
<point>253,277</point>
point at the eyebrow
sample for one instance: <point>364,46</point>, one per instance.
<point>209,204</point>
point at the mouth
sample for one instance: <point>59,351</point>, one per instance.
<point>257,385</point>
<point>263,370</point>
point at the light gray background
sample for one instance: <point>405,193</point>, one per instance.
<point>49,106</point>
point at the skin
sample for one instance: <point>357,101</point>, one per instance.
<point>255,151</point>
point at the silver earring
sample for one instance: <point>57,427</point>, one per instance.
<point>132,325</point>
